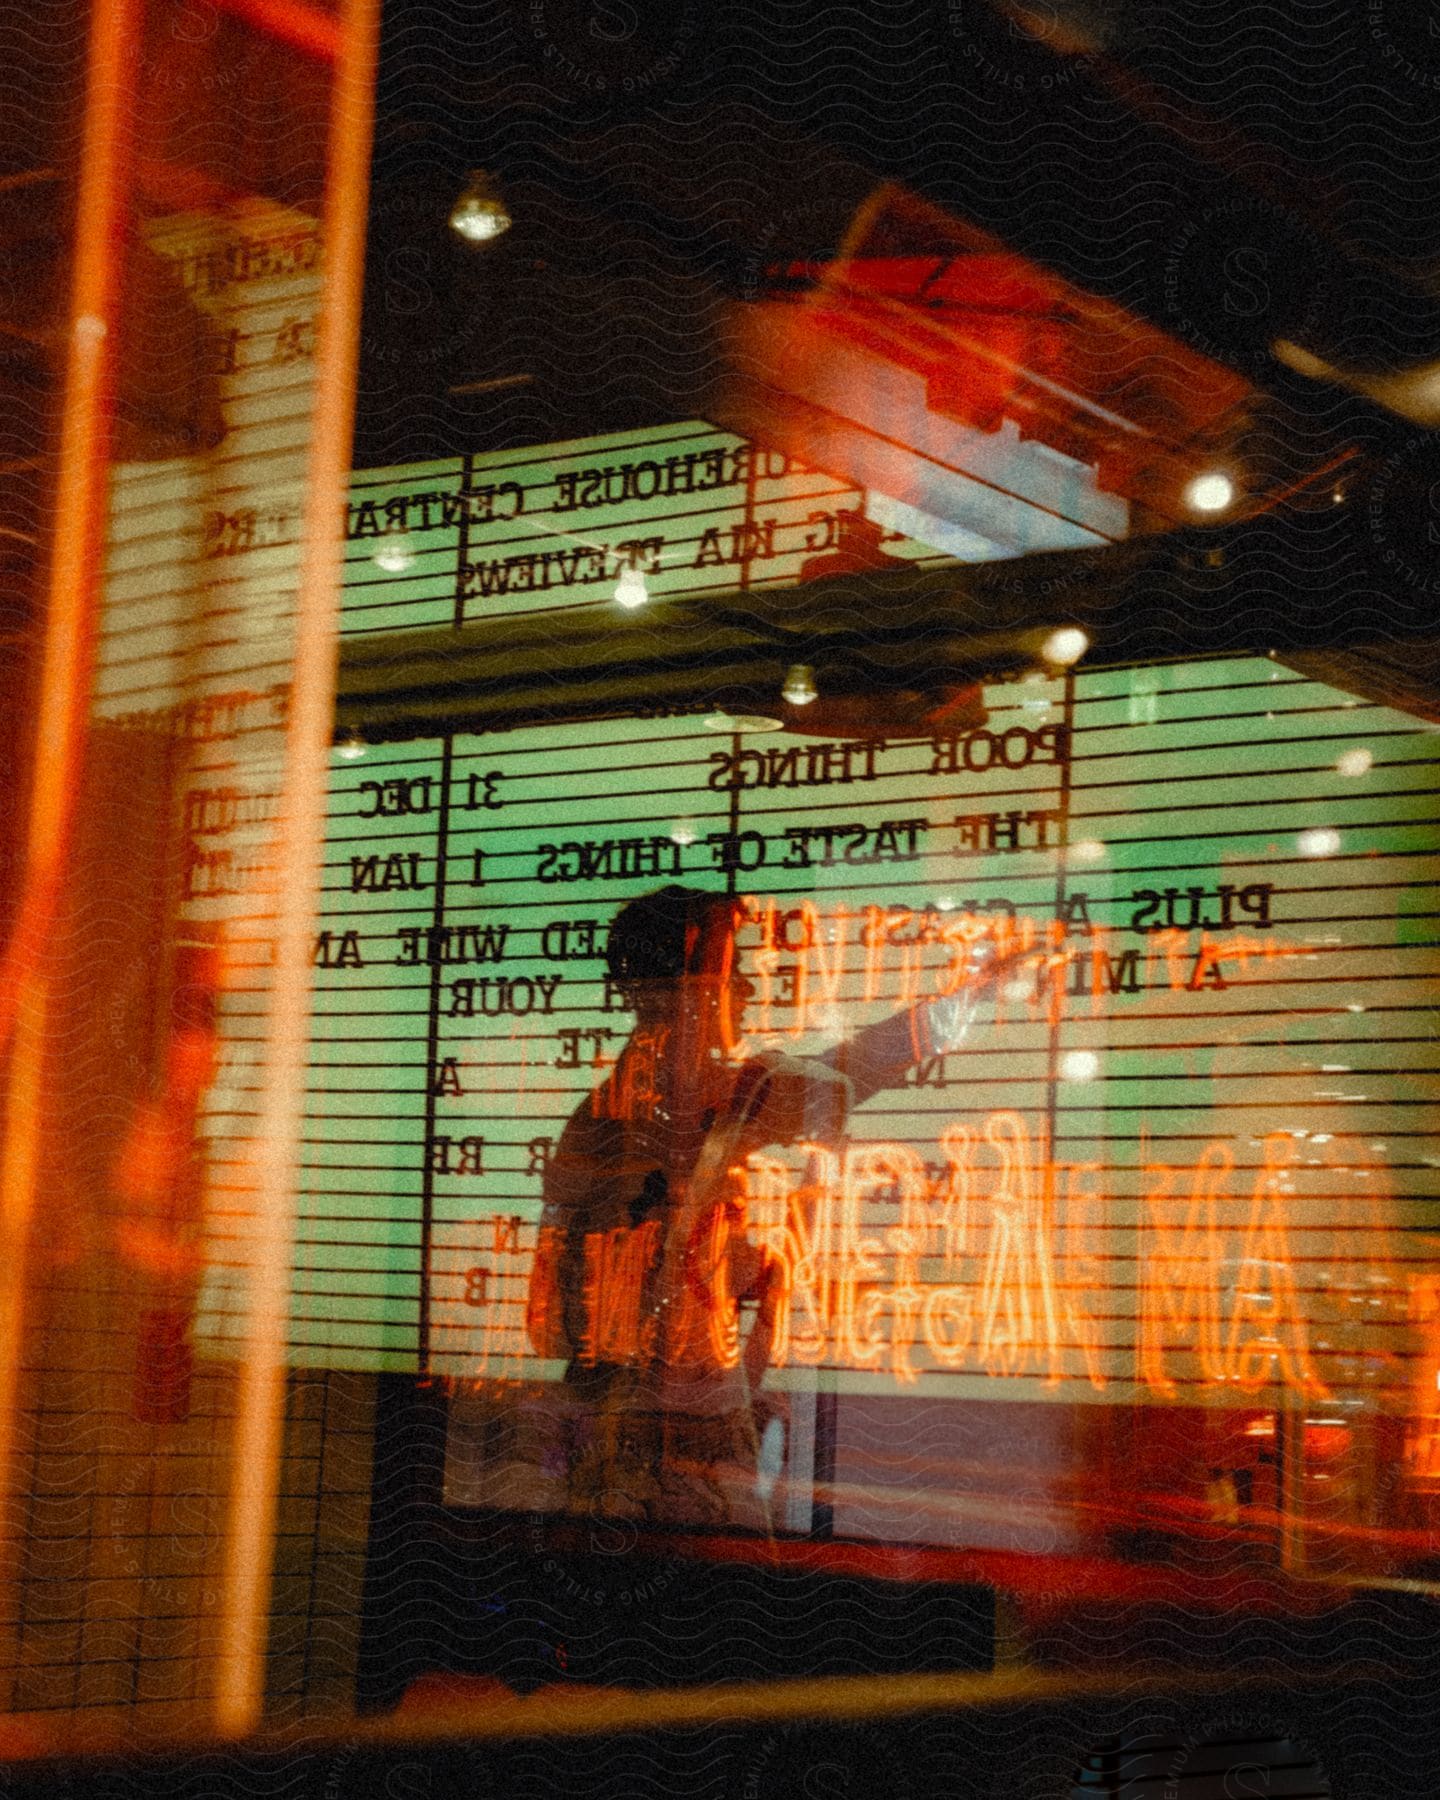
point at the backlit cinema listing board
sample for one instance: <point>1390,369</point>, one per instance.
<point>1168,1204</point>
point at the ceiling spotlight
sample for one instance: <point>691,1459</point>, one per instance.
<point>630,589</point>
<point>1065,646</point>
<point>352,744</point>
<point>1210,493</point>
<point>1319,840</point>
<point>683,832</point>
<point>480,214</point>
<point>1079,1065</point>
<point>394,554</point>
<point>799,688</point>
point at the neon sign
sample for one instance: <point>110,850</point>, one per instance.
<point>986,1263</point>
<point>803,957</point>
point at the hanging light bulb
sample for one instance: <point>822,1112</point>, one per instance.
<point>480,215</point>
<point>799,688</point>
<point>352,744</point>
<point>1065,645</point>
<point>1210,492</point>
<point>630,589</point>
<point>394,554</point>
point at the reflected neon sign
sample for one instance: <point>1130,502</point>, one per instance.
<point>808,961</point>
<point>992,1267</point>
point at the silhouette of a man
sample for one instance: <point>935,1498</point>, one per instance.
<point>643,1259</point>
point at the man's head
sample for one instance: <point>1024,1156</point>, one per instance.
<point>675,941</point>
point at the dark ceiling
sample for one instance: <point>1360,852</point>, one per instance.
<point>1238,176</point>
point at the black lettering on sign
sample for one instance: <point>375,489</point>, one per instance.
<point>742,850</point>
<point>209,811</point>
<point>1119,974</point>
<point>481,791</point>
<point>451,943</point>
<point>340,951</point>
<point>362,520</point>
<point>1190,909</point>
<point>503,500</point>
<point>500,994</point>
<point>792,766</point>
<point>506,1235</point>
<point>933,1072</point>
<point>572,1036</point>
<point>569,940</point>
<point>478,506</point>
<point>984,833</point>
<point>447,1078</point>
<point>382,874</point>
<point>688,472</point>
<point>641,553</point>
<point>1074,913</point>
<point>212,874</point>
<point>751,540</point>
<point>457,1156</point>
<point>250,259</point>
<point>608,859</point>
<point>892,840</point>
<point>535,571</point>
<point>788,976</point>
<point>479,943</point>
<point>233,534</point>
<point>213,717</point>
<point>539,1150</point>
<point>1015,748</point>
<point>392,799</point>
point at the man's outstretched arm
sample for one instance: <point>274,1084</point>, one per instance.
<point>878,1056</point>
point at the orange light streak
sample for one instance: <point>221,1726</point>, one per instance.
<point>829,968</point>
<point>948,1320</point>
<point>544,1317</point>
<point>1180,1271</point>
<point>1270,1327</point>
<point>873,938</point>
<point>810,1224</point>
<point>995,1263</point>
<point>1018,1315</point>
<point>616,1263</point>
<point>631,1090</point>
<point>250,1525</point>
<point>68,657</point>
<point>860,1299</point>
<point>303,28</point>
<point>1083,1211</point>
<point>1422,1447</point>
<point>704,1329</point>
<point>732,1043</point>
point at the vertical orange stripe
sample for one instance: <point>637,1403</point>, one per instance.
<point>68,656</point>
<point>250,1533</point>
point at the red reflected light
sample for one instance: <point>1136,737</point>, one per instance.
<point>1325,1440</point>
